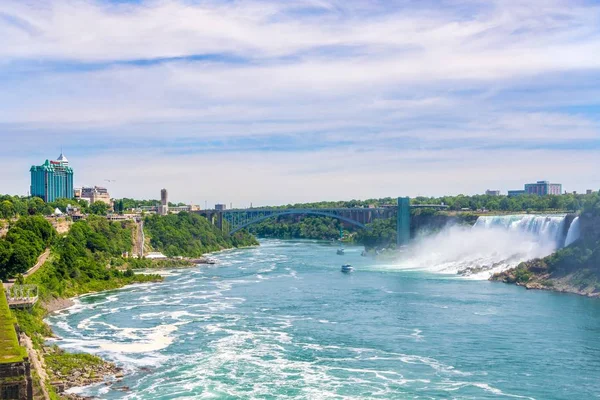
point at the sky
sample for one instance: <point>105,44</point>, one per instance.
<point>275,102</point>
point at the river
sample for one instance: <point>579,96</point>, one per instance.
<point>282,321</point>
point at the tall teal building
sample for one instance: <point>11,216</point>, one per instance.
<point>52,180</point>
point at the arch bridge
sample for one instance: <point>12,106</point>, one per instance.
<point>234,220</point>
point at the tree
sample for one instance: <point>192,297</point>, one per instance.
<point>7,209</point>
<point>99,208</point>
<point>36,206</point>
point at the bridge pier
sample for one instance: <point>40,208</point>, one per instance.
<point>403,222</point>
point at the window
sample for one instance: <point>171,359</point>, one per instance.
<point>9,392</point>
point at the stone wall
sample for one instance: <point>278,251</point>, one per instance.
<point>15,381</point>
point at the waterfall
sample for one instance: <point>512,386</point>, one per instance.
<point>548,229</point>
<point>493,244</point>
<point>574,232</point>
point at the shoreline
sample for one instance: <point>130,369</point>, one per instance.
<point>539,286</point>
<point>107,372</point>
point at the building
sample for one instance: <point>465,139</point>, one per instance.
<point>513,193</point>
<point>96,193</point>
<point>492,192</point>
<point>163,209</point>
<point>543,188</point>
<point>52,180</point>
<point>178,209</point>
<point>220,207</point>
<point>589,191</point>
<point>540,188</point>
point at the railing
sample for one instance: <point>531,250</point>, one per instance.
<point>22,296</point>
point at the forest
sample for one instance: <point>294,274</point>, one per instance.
<point>82,259</point>
<point>25,240</point>
<point>191,235</point>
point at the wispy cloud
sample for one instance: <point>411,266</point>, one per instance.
<point>180,79</point>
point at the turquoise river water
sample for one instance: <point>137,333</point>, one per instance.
<point>282,321</point>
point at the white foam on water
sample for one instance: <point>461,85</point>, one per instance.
<point>492,245</point>
<point>158,338</point>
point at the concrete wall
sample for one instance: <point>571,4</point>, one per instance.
<point>15,381</point>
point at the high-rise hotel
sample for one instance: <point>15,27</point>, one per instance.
<point>52,180</point>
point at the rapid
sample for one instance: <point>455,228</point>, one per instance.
<point>281,321</point>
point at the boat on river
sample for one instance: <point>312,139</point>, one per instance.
<point>347,268</point>
<point>340,252</point>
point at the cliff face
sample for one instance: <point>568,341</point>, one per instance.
<point>590,227</point>
<point>574,269</point>
<point>431,223</point>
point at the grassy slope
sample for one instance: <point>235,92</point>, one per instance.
<point>10,351</point>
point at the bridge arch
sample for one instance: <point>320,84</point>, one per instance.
<point>276,214</point>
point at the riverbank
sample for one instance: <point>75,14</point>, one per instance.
<point>572,269</point>
<point>66,370</point>
<point>536,275</point>
<point>57,370</point>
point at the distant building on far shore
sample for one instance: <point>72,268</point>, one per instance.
<point>540,188</point>
<point>220,207</point>
<point>94,194</point>
<point>52,180</point>
<point>163,209</point>
<point>492,192</point>
<point>589,191</point>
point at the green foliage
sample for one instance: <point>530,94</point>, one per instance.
<point>83,257</point>
<point>565,202</point>
<point>99,208</point>
<point>10,351</point>
<point>188,234</point>
<point>25,241</point>
<point>591,205</point>
<point>580,255</point>
<point>146,263</point>
<point>65,364</point>
<point>297,227</point>
<point>381,233</point>
<point>15,206</point>
<point>522,274</point>
<point>32,323</point>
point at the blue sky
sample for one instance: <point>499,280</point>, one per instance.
<point>273,102</point>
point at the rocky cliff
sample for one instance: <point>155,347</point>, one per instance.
<point>574,269</point>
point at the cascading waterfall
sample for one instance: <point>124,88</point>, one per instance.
<point>493,244</point>
<point>546,228</point>
<point>574,232</point>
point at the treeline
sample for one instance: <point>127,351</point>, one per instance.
<point>191,235</point>
<point>523,203</point>
<point>83,259</point>
<point>298,227</point>
<point>127,203</point>
<point>15,206</point>
<point>25,241</point>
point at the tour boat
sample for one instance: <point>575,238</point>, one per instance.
<point>347,268</point>
<point>340,251</point>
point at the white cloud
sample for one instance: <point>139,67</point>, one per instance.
<point>358,92</point>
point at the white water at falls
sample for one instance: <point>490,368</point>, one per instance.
<point>492,245</point>
<point>574,232</point>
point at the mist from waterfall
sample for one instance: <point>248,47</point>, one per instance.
<point>493,244</point>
